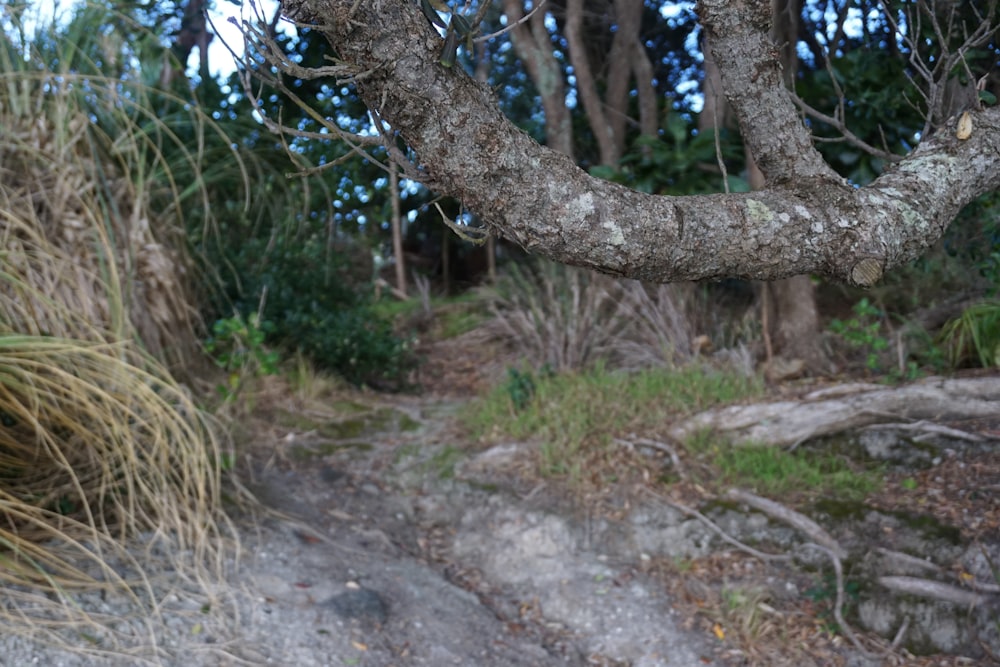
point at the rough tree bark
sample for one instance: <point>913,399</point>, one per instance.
<point>793,318</point>
<point>808,220</point>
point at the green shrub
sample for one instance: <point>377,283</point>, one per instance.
<point>316,301</point>
<point>863,332</point>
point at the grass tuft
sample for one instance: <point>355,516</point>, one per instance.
<point>772,471</point>
<point>575,416</point>
<point>108,467</point>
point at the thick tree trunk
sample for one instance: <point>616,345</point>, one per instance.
<point>794,320</point>
<point>809,220</point>
<point>623,59</point>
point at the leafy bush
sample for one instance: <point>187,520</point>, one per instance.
<point>237,347</point>
<point>237,343</point>
<point>319,301</point>
<point>360,347</point>
<point>863,332</point>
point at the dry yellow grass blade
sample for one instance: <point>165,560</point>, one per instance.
<point>107,464</point>
<point>97,450</point>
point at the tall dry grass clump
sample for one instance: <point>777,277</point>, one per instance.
<point>568,318</point>
<point>106,462</point>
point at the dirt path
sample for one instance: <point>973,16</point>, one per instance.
<point>422,548</point>
<point>416,554</point>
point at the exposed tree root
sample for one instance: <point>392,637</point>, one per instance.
<point>918,407</point>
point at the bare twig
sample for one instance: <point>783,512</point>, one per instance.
<point>474,235</point>
<point>794,519</point>
<point>908,560</point>
<point>523,19</point>
<point>838,610</point>
<point>839,125</point>
<point>717,530</point>
<point>946,61</point>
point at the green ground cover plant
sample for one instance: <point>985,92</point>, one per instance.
<point>575,415</point>
<point>773,471</point>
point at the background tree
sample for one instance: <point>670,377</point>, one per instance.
<point>809,220</point>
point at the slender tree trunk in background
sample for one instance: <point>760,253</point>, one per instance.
<point>533,46</point>
<point>788,306</point>
<point>446,261</point>
<point>586,85</point>
<point>193,33</point>
<point>628,62</point>
<point>716,112</point>
<point>649,104</point>
<point>627,17</point>
<point>397,230</point>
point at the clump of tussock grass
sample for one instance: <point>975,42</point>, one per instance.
<point>100,447</point>
<point>568,319</point>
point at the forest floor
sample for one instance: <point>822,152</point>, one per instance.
<point>389,538</point>
<point>417,546</point>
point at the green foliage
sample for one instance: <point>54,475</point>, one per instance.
<point>671,163</point>
<point>863,332</point>
<point>774,472</point>
<point>317,297</point>
<point>573,415</point>
<point>237,347</point>
<point>520,388</point>
<point>975,334</point>
<point>353,342</point>
<point>237,343</point>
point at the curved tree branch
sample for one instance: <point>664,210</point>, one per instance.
<point>809,221</point>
